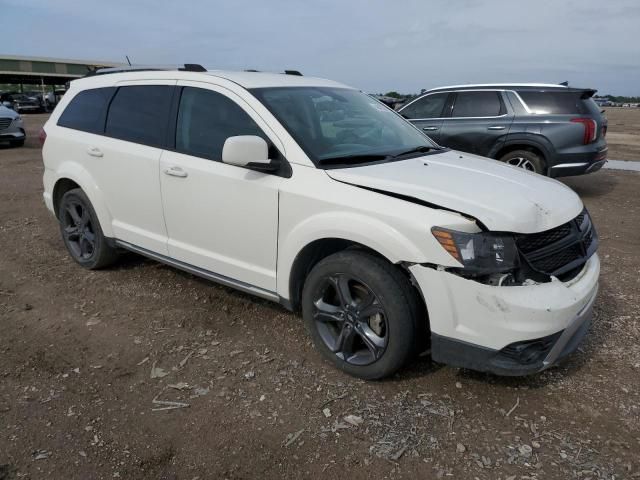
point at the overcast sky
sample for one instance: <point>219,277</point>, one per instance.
<point>402,45</point>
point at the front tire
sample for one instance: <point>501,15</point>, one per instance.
<point>362,314</point>
<point>81,232</point>
<point>526,160</point>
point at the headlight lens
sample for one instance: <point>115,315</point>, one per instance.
<point>480,253</point>
<point>18,119</point>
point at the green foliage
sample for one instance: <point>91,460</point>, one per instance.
<point>622,99</point>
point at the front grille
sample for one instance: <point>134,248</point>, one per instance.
<point>562,249</point>
<point>4,123</point>
<point>535,241</point>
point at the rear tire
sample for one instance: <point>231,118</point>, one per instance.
<point>81,232</point>
<point>526,160</point>
<point>362,314</point>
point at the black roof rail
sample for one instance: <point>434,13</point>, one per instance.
<point>104,71</point>
<point>193,67</point>
<point>188,67</point>
<point>293,72</point>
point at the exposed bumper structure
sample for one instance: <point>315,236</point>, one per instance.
<point>515,330</point>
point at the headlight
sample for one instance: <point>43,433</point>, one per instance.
<point>18,119</point>
<point>480,253</point>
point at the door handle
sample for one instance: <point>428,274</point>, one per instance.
<point>430,129</point>
<point>496,127</point>
<point>176,172</point>
<point>94,151</point>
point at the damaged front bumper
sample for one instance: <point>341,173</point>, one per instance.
<point>506,330</point>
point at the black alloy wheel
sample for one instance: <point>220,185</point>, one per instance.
<point>350,319</point>
<point>81,231</point>
<point>363,314</point>
<point>78,230</point>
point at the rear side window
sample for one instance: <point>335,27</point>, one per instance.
<point>87,110</point>
<point>554,102</point>
<point>206,119</point>
<point>140,114</point>
<point>429,106</point>
<point>477,104</point>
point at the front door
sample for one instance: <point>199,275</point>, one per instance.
<point>220,218</point>
<point>426,113</point>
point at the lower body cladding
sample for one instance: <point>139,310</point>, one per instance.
<point>506,330</point>
<point>578,164</point>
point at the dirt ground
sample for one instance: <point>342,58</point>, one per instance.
<point>623,133</point>
<point>78,350</point>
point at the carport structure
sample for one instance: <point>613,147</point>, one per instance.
<point>43,71</point>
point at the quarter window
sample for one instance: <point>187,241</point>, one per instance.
<point>87,110</point>
<point>477,104</point>
<point>430,106</point>
<point>206,119</point>
<point>139,114</point>
<point>554,102</point>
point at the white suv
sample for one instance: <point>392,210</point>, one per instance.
<point>314,195</point>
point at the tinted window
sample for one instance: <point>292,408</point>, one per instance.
<point>206,119</point>
<point>87,110</point>
<point>426,107</point>
<point>477,104</point>
<point>554,102</point>
<point>139,114</point>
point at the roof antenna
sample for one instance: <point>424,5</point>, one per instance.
<point>565,83</point>
<point>128,61</point>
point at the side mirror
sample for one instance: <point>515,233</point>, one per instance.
<point>246,151</point>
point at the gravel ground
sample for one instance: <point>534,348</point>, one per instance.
<point>623,133</point>
<point>141,371</point>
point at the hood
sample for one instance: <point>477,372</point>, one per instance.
<point>7,112</point>
<point>502,197</point>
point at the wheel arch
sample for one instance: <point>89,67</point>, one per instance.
<point>71,176</point>
<point>535,144</point>
<point>315,251</point>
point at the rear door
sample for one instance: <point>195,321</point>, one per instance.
<point>426,113</point>
<point>118,136</point>
<point>479,122</point>
<point>126,161</point>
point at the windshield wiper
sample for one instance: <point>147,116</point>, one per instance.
<point>420,149</point>
<point>358,158</point>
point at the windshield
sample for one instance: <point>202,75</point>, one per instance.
<point>337,126</point>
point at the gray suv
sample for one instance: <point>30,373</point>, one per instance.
<point>554,130</point>
<point>11,127</point>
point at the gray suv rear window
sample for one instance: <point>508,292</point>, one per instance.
<point>477,104</point>
<point>554,102</point>
<point>87,110</point>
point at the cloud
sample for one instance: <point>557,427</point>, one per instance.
<point>376,45</point>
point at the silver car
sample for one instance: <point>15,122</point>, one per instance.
<point>11,127</point>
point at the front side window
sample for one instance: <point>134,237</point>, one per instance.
<point>340,125</point>
<point>140,114</point>
<point>477,104</point>
<point>206,119</point>
<point>87,110</point>
<point>430,106</point>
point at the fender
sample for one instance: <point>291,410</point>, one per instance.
<point>351,226</point>
<point>77,173</point>
<point>531,139</point>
